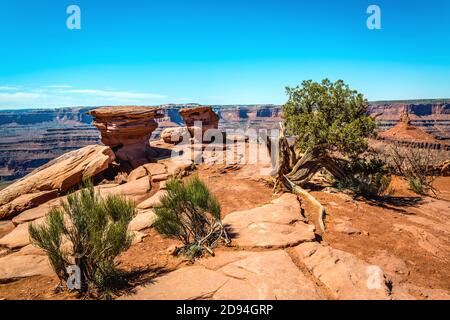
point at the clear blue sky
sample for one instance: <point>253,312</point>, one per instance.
<point>218,52</point>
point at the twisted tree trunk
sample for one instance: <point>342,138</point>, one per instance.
<point>293,170</point>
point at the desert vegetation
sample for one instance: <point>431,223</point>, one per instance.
<point>330,124</point>
<point>88,232</point>
<point>190,213</point>
<point>418,166</point>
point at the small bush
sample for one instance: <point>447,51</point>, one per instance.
<point>416,165</point>
<point>367,178</point>
<point>417,186</point>
<point>96,230</point>
<point>190,213</point>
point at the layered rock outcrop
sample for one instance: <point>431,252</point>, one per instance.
<point>204,115</point>
<point>127,131</point>
<point>198,120</point>
<point>54,178</point>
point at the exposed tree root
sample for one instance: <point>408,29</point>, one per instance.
<point>294,169</point>
<point>319,217</point>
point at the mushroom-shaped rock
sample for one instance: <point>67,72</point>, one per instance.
<point>127,130</point>
<point>204,115</point>
<point>57,176</point>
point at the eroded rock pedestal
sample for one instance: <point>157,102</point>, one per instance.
<point>208,118</point>
<point>127,131</point>
<point>198,121</point>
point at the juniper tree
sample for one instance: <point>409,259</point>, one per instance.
<point>326,119</point>
<point>87,231</point>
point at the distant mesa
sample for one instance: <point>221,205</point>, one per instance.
<point>127,130</point>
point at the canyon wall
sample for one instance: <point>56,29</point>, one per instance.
<point>31,138</point>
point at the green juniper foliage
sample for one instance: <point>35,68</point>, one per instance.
<point>96,229</point>
<point>190,213</point>
<point>328,117</point>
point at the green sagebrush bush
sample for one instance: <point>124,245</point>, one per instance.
<point>87,231</point>
<point>190,213</point>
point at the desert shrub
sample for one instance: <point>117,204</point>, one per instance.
<point>190,213</point>
<point>417,186</point>
<point>369,177</point>
<point>87,231</point>
<point>416,165</point>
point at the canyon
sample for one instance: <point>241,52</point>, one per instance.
<point>30,138</point>
<point>392,248</point>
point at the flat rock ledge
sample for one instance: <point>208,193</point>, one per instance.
<point>275,225</point>
<point>244,276</point>
<point>346,276</point>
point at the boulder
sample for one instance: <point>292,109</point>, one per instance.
<point>175,135</point>
<point>38,212</point>
<point>153,201</point>
<point>346,276</point>
<point>19,237</point>
<point>5,228</point>
<point>275,225</point>
<point>16,266</point>
<point>127,129</point>
<point>58,176</point>
<point>135,190</point>
<point>143,220</point>
<point>137,173</point>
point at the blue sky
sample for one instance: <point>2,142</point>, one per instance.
<point>218,52</point>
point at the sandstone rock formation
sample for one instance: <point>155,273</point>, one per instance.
<point>404,130</point>
<point>175,135</point>
<point>345,275</point>
<point>276,225</point>
<point>409,135</point>
<point>143,220</point>
<point>205,115</point>
<point>58,176</point>
<point>19,265</point>
<point>127,131</point>
<point>250,275</point>
<point>152,201</point>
